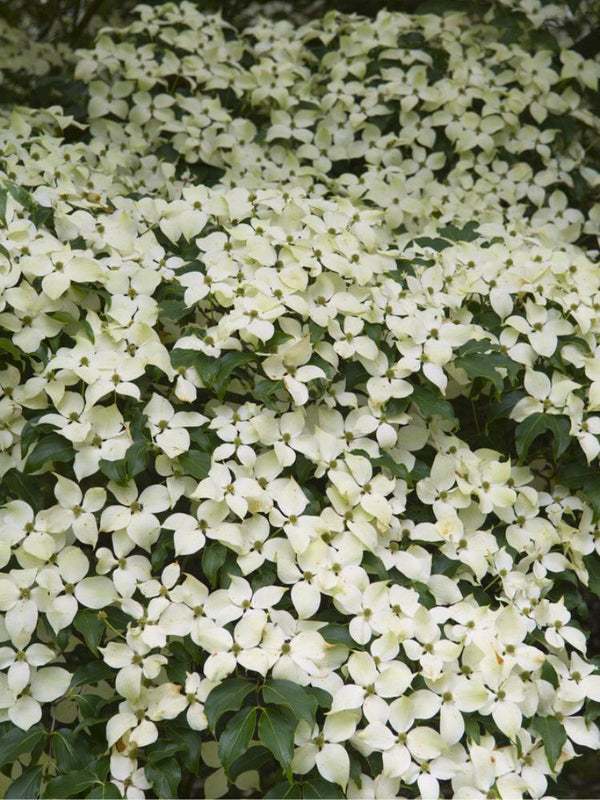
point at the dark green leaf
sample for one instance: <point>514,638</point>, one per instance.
<point>173,309</point>
<point>136,458</point>
<point>254,758</point>
<point>165,777</point>
<point>3,198</point>
<point>549,674</point>
<point>265,391</point>
<point>72,785</point>
<point>24,487</point>
<point>228,696</point>
<point>320,789</point>
<point>90,627</point>
<point>184,358</point>
<point>21,195</point>
<point>191,744</point>
<point>536,424</point>
<point>64,317</point>
<point>591,487</point>
<point>8,347</point>
<point>90,706</point>
<point>290,695</point>
<point>236,736</point>
<point>91,673</point>
<point>160,750</point>
<point>472,730</point>
<point>50,449</point>
<point>467,234</point>
<point>430,405</point>
<point>213,558</point>
<point>333,633</point>
<point>284,790</point>
<point>72,751</point>
<point>317,332</point>
<point>575,474</point>
<point>26,786</point>
<point>106,791</point>
<point>195,463</point>
<point>114,470</point>
<point>592,564</point>
<point>436,243</point>
<point>276,727</point>
<point>485,365</point>
<point>502,409</point>
<point>15,743</point>
<point>553,735</point>
<point>323,698</point>
<point>227,364</point>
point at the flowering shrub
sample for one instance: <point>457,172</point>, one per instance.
<point>300,410</point>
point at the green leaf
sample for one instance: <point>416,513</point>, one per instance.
<point>195,463</point>
<point>226,365</point>
<point>323,698</point>
<point>50,449</point>
<point>430,405</point>
<point>227,696</point>
<point>321,789</point>
<point>334,633</point>
<point>265,390</point>
<point>24,487</point>
<point>485,364</point>
<point>213,558</point>
<point>549,674</point>
<point>592,564</point>
<point>26,786</point>
<point>72,750</point>
<point>91,673</point>
<point>191,744</point>
<point>254,758</point>
<point>276,728</point>
<point>575,474</point>
<point>3,198</point>
<point>467,234</point>
<point>436,243</point>
<point>236,736</point>
<point>15,743</point>
<point>284,790</point>
<point>536,424</point>
<point>502,409</point>
<point>71,785</point>
<point>161,750</point>
<point>165,777</point>
<point>317,332</point>
<point>21,195</point>
<point>136,458</point>
<point>173,309</point>
<point>90,707</point>
<point>553,735</point>
<point>11,349</point>
<point>90,627</point>
<point>385,461</point>
<point>591,487</point>
<point>115,471</point>
<point>472,730</point>
<point>106,791</point>
<point>290,695</point>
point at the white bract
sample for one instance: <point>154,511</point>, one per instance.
<point>299,392</point>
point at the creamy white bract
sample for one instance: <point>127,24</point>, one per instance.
<point>303,298</point>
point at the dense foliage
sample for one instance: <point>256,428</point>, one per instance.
<point>299,405</point>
